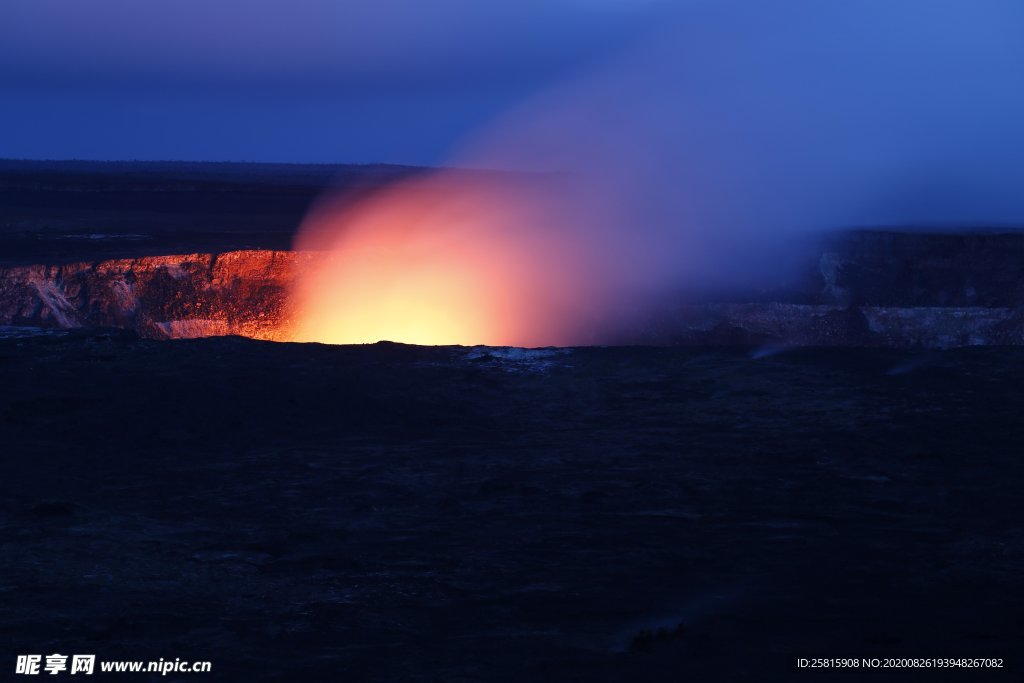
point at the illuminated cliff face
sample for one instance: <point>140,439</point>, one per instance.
<point>192,295</point>
<point>446,260</point>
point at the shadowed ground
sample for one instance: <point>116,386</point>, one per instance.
<point>315,513</point>
<point>69,211</point>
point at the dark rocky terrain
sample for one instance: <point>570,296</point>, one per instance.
<point>290,512</point>
<point>70,211</point>
<point>393,513</point>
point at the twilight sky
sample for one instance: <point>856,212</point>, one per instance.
<point>396,81</point>
<point>406,81</point>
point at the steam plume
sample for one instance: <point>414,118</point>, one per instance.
<point>686,163</point>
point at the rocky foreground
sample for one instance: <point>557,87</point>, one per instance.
<point>390,513</point>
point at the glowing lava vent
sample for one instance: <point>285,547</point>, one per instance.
<point>455,258</point>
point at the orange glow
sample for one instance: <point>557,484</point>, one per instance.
<point>457,258</point>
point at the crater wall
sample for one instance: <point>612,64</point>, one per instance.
<point>192,295</point>
<point>861,288</point>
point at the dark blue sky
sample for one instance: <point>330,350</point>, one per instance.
<point>396,81</point>
<point>889,86</point>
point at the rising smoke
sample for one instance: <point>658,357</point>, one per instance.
<point>688,162</point>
